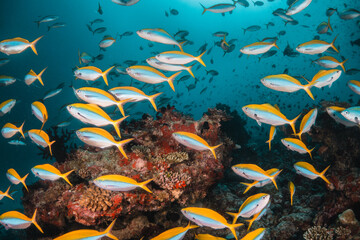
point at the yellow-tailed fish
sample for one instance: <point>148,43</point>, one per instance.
<point>307,122</point>
<point>85,57</point>
<point>308,170</point>
<point>46,19</point>
<point>285,83</point>
<point>10,130</point>
<point>6,80</point>
<point>207,237</point>
<point>120,183</point>
<point>169,67</point>
<point>330,62</point>
<point>271,136</point>
<point>297,6</point>
<point>258,216</point>
<point>6,106</point>
<point>272,172</point>
<point>93,114</point>
<point>253,172</point>
<point>354,86</point>
<point>219,8</point>
<point>266,113</point>
<point>100,97</point>
<point>16,220</point>
<point>49,172</point>
<point>134,95</point>
<point>194,141</point>
<point>17,45</point>
<point>88,234</point>
<point>325,78</point>
<point>91,73</point>
<point>158,35</point>
<point>40,138</point>
<point>255,235</point>
<point>31,76</point>
<point>335,113</point>
<point>151,75</point>
<point>296,145</point>
<point>40,112</point>
<point>179,58</point>
<point>14,177</point>
<point>258,48</point>
<point>316,47</point>
<point>106,42</point>
<point>5,194</point>
<point>177,233</point>
<point>209,218</point>
<point>53,92</point>
<point>352,114</point>
<point>252,205</point>
<point>292,191</point>
<point>323,27</point>
<point>99,137</point>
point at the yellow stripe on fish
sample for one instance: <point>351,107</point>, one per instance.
<point>31,76</point>
<point>9,130</point>
<point>40,112</point>
<point>175,233</point>
<point>308,170</point>
<point>49,172</point>
<point>6,194</point>
<point>41,138</point>
<point>296,145</point>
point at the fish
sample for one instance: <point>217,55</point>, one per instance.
<point>325,78</point>
<point>40,112</point>
<point>175,233</point>
<point>315,47</point>
<point>354,86</point>
<point>49,172</point>
<point>252,28</point>
<point>169,67</point>
<point>17,45</point>
<point>253,172</point>
<point>209,218</point>
<point>266,113</point>
<point>285,83</point>
<point>296,145</point>
<point>6,80</point>
<point>352,71</point>
<point>126,34</point>
<point>271,136</point>
<point>308,170</point>
<point>4,61</point>
<point>93,114</point>
<point>31,76</point>
<point>53,92</point>
<point>100,11</point>
<point>14,178</point>
<point>150,75</point>
<point>85,57</point>
<point>99,30</point>
<point>87,234</point>
<point>258,3</point>
<point>292,191</point>
<point>174,12</point>
<point>99,137</point>
<point>6,194</point>
<point>9,130</point>
<point>107,42</point>
<point>6,106</point>
<point>16,220</point>
<point>330,11</point>
<point>207,237</point>
<point>98,20</point>
<point>100,97</point>
<point>297,7</point>
<point>125,2</point>
<point>349,13</point>
<point>56,25</point>
<point>219,8</point>
<point>49,18</point>
<point>41,138</point>
<point>307,122</point>
<point>252,205</point>
<point>17,143</point>
<point>120,183</point>
<point>330,62</point>
<point>179,58</point>
<point>335,113</point>
<point>255,235</point>
<point>258,48</point>
<point>258,216</point>
<point>90,73</point>
<point>323,27</point>
<point>269,53</point>
<point>134,95</point>
<point>272,172</point>
<point>194,141</point>
<point>158,35</point>
<point>352,114</point>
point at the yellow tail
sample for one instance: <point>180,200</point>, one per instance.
<point>234,215</point>
<point>23,181</point>
<point>275,45</point>
<point>329,25</point>
<point>39,76</point>
<point>117,123</point>
<point>152,100</point>
<point>104,75</point>
<point>204,9</point>
<point>251,221</point>
<point>107,231</point>
<point>142,185</point>
<point>65,175</point>
<point>121,144</point>
<point>198,58</point>
<point>120,105</point>
<point>248,186</point>
<point>170,80</point>
<point>273,178</point>
<point>180,44</point>
<point>342,64</point>
<point>189,70</point>
<point>32,45</point>
<point>307,90</point>
<point>310,152</point>
<point>322,175</point>
<point>21,129</point>
<point>6,194</point>
<point>292,123</point>
<point>232,228</point>
<point>333,46</point>
<point>33,220</point>
<point>212,149</point>
<point>51,143</point>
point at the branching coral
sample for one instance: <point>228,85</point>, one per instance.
<point>318,233</point>
<point>342,233</point>
<point>173,157</point>
<point>96,199</point>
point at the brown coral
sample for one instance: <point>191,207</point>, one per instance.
<point>96,199</point>
<point>318,233</point>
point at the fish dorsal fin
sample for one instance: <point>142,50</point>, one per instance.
<point>98,70</point>
<point>338,109</point>
<point>119,178</point>
<point>15,214</point>
<point>42,134</point>
<point>31,72</point>
<point>21,39</point>
<point>99,131</point>
<point>13,172</point>
<point>134,89</point>
<point>195,137</point>
<point>49,168</point>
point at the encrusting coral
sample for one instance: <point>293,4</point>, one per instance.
<point>95,199</point>
<point>318,233</point>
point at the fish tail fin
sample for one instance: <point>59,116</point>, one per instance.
<point>342,64</point>
<point>234,215</point>
<point>143,185</point>
<point>198,58</point>
<point>298,135</point>
<point>21,129</point>
<point>248,186</point>
<point>108,231</point>
<point>39,76</point>
<point>275,45</point>
<point>332,44</point>
<point>121,144</point>
<point>307,90</point>
<point>120,105</point>
<point>322,175</point>
<point>152,100</point>
<point>189,70</point>
<point>250,223</point>
<point>329,25</point>
<point>65,176</point>
<point>212,149</point>
<point>224,40</point>
<point>292,123</point>
<point>116,125</point>
<point>244,30</point>
<point>232,228</point>
<point>180,45</point>
<point>310,152</point>
<point>204,9</point>
<point>104,75</point>
<point>23,182</point>
<point>51,143</point>
<point>170,80</point>
<point>79,56</point>
<point>33,220</point>
<point>32,44</point>
<point>6,193</point>
<point>273,178</point>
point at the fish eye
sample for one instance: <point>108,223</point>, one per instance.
<point>356,118</point>
<point>255,115</point>
<point>263,197</point>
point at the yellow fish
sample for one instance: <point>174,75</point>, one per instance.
<point>179,58</point>
<point>40,138</point>
<point>316,47</point>
<point>292,191</point>
<point>307,122</point>
<point>175,233</point>
<point>258,48</point>
<point>271,136</point>
<point>49,172</point>
<point>40,112</point>
<point>296,145</point>
<point>120,183</point>
<point>272,172</point>
<point>91,73</point>
<point>6,106</point>
<point>14,177</point>
<point>31,76</point>
<point>308,170</point>
<point>9,130</point>
<point>5,194</point>
<point>255,235</point>
<point>16,220</point>
<point>17,45</point>
<point>330,62</point>
<point>253,172</point>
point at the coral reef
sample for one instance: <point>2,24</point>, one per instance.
<point>318,233</point>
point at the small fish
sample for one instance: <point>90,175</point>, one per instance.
<point>91,73</point>
<point>40,112</point>
<point>40,138</point>
<point>63,124</point>
<point>253,172</point>
<point>335,113</point>
<point>5,194</point>
<point>315,47</point>
<point>53,92</point>
<point>354,86</point>
<point>243,3</point>
<point>125,2</point>
<point>120,183</point>
<point>99,30</point>
<point>87,234</point>
<point>6,80</point>
<point>169,67</point>
<point>330,11</point>
<point>9,130</point>
<point>3,61</point>
<point>219,8</point>
<point>330,62</point>
<point>180,58</point>
<point>45,19</point>
<point>324,27</point>
<point>292,191</point>
<point>49,172</point>
<point>99,137</point>
<point>100,11</point>
<point>158,35</point>
<point>296,145</point>
<point>252,28</point>
<point>297,7</point>
<point>17,45</point>
<point>85,57</point>
<point>258,48</point>
<point>349,13</point>
<point>107,42</point>
<point>57,25</point>
<point>271,136</point>
<point>31,76</point>
<point>209,218</point>
<point>17,143</point>
<point>308,170</point>
<point>126,34</point>
<point>174,12</point>
<point>175,233</point>
<point>272,172</point>
<point>14,177</point>
<point>6,106</point>
<point>98,20</point>
<point>255,235</point>
<point>352,71</point>
<point>16,220</point>
<point>307,122</point>
<point>258,3</point>
<point>325,78</point>
<point>193,141</point>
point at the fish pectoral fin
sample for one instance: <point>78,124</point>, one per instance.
<point>258,122</point>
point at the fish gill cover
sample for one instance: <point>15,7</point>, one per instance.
<point>182,119</point>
